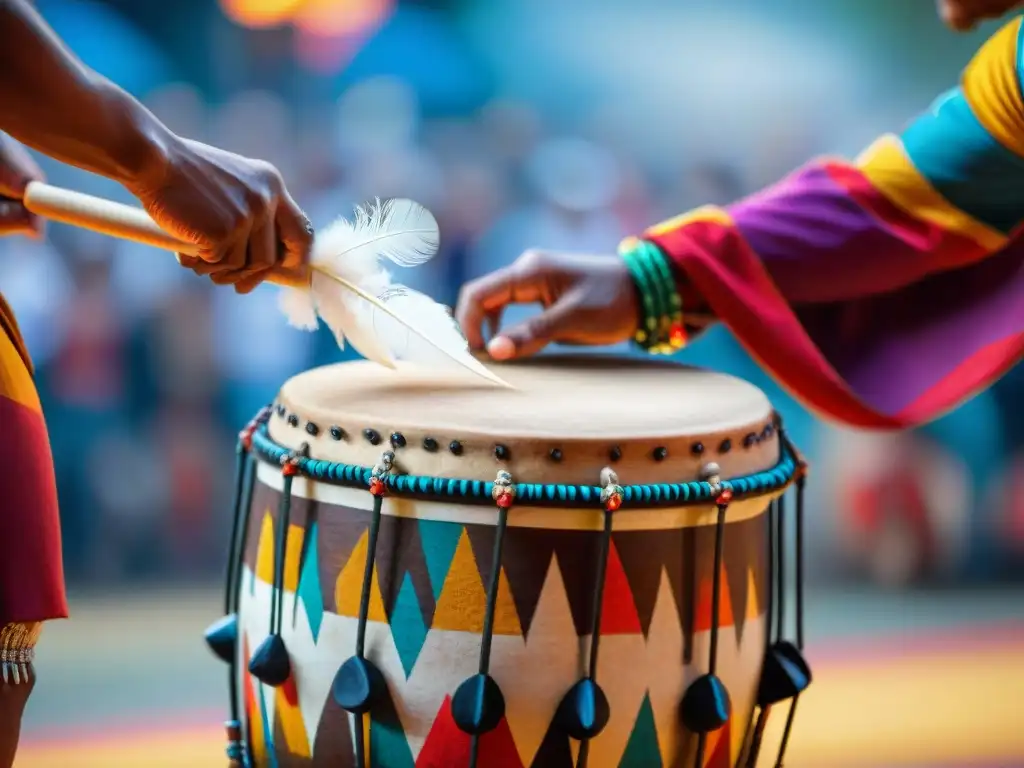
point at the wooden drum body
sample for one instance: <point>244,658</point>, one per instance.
<point>470,653</point>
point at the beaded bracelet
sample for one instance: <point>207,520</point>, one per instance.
<point>660,330</point>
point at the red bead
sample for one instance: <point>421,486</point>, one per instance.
<point>290,469</point>
<point>376,486</point>
<point>504,500</point>
<point>724,497</point>
<point>677,335</point>
<point>245,438</point>
<point>613,503</point>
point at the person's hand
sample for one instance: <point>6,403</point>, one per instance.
<point>963,15</point>
<point>236,210</point>
<point>586,300</point>
<point>17,169</point>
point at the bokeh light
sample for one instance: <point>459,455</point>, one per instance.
<point>258,14</point>
<point>341,18</point>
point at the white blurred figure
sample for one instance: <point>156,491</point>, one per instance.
<point>378,115</point>
<point>143,278</point>
<point>577,183</point>
<point>255,348</point>
<point>251,340</point>
<point>37,284</point>
<point>257,124</point>
<point>182,108</point>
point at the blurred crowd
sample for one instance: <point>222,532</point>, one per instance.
<point>147,372</point>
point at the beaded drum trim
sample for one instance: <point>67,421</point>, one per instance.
<point>527,494</point>
<point>17,651</point>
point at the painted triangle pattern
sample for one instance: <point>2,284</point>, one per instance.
<point>447,746</point>
<point>309,590</point>
<point>413,726</point>
<point>427,606</point>
<point>642,750</point>
<point>424,552</point>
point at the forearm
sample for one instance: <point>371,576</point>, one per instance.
<point>52,102</point>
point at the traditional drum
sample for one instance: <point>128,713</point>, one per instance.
<point>583,570</point>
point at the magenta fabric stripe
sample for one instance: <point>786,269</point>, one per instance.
<point>845,274</point>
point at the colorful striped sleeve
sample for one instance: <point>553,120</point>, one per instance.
<point>885,291</point>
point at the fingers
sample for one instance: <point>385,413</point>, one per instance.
<point>295,233</point>
<point>484,298</point>
<point>530,337</point>
<point>15,219</point>
<point>17,168</point>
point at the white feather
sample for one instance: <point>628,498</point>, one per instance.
<point>425,320</point>
<point>403,324</point>
<point>300,309</point>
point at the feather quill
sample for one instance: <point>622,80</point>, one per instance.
<point>352,292</point>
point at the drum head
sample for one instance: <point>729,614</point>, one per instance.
<point>563,420</point>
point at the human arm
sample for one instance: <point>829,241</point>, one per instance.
<point>881,292</point>
<point>236,209</point>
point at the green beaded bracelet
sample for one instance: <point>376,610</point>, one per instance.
<point>660,327</point>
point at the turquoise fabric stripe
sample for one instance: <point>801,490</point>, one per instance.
<point>963,163</point>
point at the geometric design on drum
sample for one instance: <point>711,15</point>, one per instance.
<point>718,749</point>
<point>703,618</point>
<point>293,556</point>
<point>642,750</point>
<point>265,553</point>
<point>753,608</point>
<point>349,586</point>
<point>309,591</point>
<point>423,552</point>
<point>448,746</point>
<point>666,682</point>
<point>618,608</point>
<point>254,712</point>
<point>407,626</point>
<point>261,736</point>
<point>439,541</point>
<point>554,750</point>
<point>289,720</point>
<point>388,743</point>
<point>535,672</point>
<point>463,602</point>
<point>333,744</point>
<point>653,683</point>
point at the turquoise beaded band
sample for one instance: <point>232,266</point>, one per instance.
<point>660,329</point>
<point>529,494</point>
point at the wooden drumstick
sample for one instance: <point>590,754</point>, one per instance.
<point>117,220</point>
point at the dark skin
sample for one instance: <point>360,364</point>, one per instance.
<point>237,210</point>
<point>590,299</point>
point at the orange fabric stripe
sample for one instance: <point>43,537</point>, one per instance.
<point>991,86</point>
<point>889,171</point>
<point>15,380</point>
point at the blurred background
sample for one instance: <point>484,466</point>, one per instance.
<point>519,123</point>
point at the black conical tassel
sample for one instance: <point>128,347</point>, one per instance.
<point>706,706</point>
<point>358,684</point>
<point>270,663</point>
<point>584,711</point>
<point>478,704</point>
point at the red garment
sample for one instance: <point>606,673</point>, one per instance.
<point>31,569</point>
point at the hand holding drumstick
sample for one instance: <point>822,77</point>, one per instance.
<point>237,211</point>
